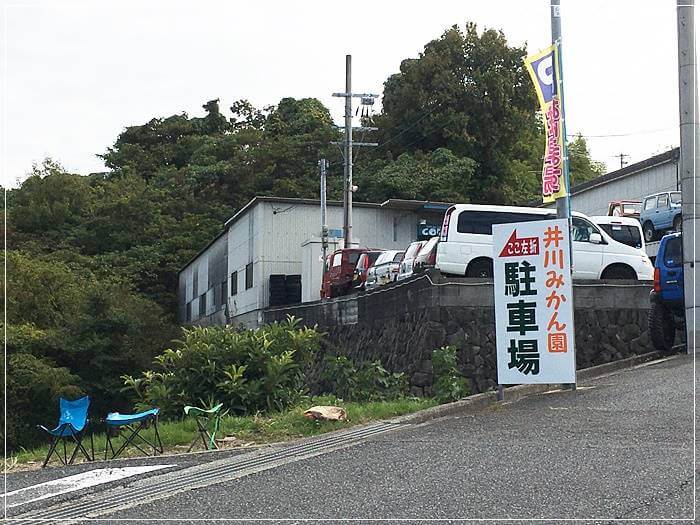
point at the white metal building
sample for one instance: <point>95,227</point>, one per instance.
<point>228,281</point>
<point>633,182</point>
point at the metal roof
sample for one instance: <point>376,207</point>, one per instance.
<point>395,204</point>
<point>627,171</point>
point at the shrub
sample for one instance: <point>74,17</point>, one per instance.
<point>34,386</point>
<point>368,381</point>
<point>247,370</point>
<point>448,384</point>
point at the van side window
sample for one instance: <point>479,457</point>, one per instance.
<point>650,203</point>
<point>581,229</point>
<point>337,259</point>
<point>481,222</point>
<point>663,201</point>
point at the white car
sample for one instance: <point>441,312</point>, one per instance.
<point>384,270</point>
<point>626,230</point>
<point>406,266</point>
<point>466,245</point>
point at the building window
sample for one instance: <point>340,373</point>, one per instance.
<point>202,305</point>
<point>248,276</point>
<point>188,315</point>
<point>234,283</point>
<point>195,282</point>
<point>223,293</point>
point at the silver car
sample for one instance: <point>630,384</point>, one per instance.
<point>384,270</point>
<point>406,266</point>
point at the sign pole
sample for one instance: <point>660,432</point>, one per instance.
<point>563,203</point>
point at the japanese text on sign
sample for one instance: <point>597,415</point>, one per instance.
<point>533,300</point>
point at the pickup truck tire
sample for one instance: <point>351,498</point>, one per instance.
<point>677,223</point>
<point>649,232</point>
<point>662,327</point>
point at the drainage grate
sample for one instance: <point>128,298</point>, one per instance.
<point>200,476</point>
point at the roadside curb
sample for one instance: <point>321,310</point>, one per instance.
<point>514,393</point>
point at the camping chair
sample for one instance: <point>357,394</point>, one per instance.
<point>205,420</point>
<point>135,424</point>
<point>71,426</point>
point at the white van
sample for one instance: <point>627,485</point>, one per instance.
<point>626,230</point>
<point>466,246</point>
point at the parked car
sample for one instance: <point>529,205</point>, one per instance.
<point>426,256</point>
<point>667,301</point>
<point>466,245</point>
<point>661,212</point>
<point>339,270</point>
<point>624,208</point>
<point>364,263</point>
<point>384,270</point>
<point>623,229</point>
<point>406,266</point>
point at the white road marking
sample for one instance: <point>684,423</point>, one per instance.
<point>80,481</point>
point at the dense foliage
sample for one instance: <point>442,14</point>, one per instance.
<point>448,384</point>
<point>247,370</point>
<point>93,260</point>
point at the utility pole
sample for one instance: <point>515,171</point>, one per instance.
<point>689,159</point>
<point>622,159</point>
<point>347,143</point>
<point>323,166</point>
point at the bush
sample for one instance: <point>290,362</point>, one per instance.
<point>368,381</point>
<point>247,370</point>
<point>449,384</point>
<point>34,387</point>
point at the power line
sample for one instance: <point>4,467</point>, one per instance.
<point>632,133</point>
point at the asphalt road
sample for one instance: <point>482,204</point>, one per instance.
<point>619,447</point>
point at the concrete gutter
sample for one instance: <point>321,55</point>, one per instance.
<point>514,393</point>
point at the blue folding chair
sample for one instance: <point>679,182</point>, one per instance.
<point>135,424</point>
<point>72,425</point>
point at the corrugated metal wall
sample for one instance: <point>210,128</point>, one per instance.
<point>269,237</point>
<point>594,201</point>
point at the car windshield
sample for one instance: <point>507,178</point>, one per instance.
<point>625,234</point>
<point>632,208</point>
<point>428,246</point>
<point>373,256</point>
<point>676,197</point>
<point>398,257</point>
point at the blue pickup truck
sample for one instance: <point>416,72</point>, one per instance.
<point>667,303</point>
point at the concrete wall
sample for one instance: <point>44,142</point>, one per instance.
<point>402,324</point>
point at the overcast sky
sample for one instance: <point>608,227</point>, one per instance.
<point>76,74</point>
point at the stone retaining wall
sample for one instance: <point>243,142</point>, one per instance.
<point>402,324</point>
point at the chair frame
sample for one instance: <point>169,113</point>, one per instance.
<point>203,418</point>
<point>76,436</point>
<point>135,429</point>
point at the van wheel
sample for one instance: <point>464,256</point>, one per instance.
<point>619,272</point>
<point>481,268</point>
<point>662,327</point>
<point>678,223</point>
<point>649,232</point>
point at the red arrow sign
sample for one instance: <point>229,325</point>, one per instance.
<point>516,247</point>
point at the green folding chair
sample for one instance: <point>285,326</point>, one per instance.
<point>206,420</point>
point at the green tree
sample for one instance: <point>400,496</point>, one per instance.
<point>470,93</point>
<point>581,166</point>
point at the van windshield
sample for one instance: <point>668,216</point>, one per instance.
<point>628,235</point>
<point>353,257</point>
<point>481,222</point>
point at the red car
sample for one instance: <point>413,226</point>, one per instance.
<point>339,270</point>
<point>625,208</point>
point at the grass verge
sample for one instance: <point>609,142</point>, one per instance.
<point>249,430</point>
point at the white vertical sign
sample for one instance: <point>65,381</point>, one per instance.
<point>534,303</point>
